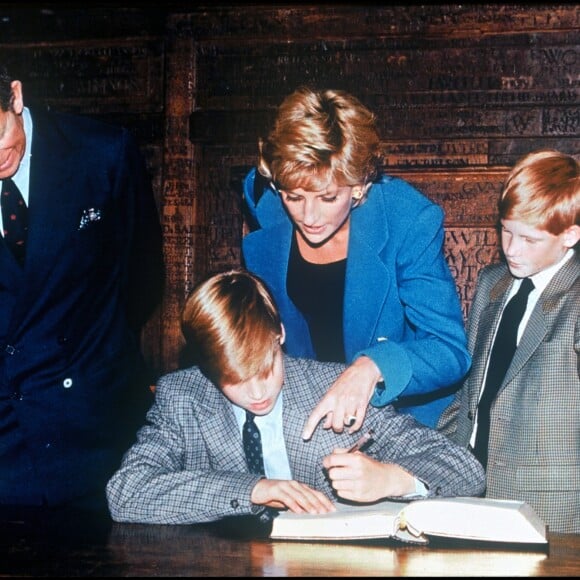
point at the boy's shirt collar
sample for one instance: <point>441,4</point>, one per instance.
<point>273,417</point>
<point>271,428</point>
<point>543,278</point>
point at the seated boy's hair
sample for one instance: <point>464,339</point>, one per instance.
<point>232,327</point>
<point>543,191</point>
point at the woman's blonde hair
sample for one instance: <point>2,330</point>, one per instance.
<point>319,137</point>
<point>232,327</point>
<point>543,191</point>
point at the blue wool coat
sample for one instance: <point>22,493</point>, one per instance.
<point>401,306</point>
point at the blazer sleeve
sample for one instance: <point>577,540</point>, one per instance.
<point>430,352</point>
<point>446,468</point>
<point>168,475</point>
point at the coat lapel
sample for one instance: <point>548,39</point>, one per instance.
<point>537,326</point>
<point>49,198</point>
<point>216,414</point>
<point>52,195</point>
<point>488,322</point>
<point>367,278</point>
<point>9,267</point>
<point>267,253</point>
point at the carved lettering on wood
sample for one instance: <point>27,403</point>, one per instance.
<point>93,78</point>
<point>467,250</point>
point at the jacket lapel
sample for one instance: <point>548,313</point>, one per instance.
<point>489,320</point>
<point>216,414</point>
<point>366,275</point>
<point>49,197</point>
<point>9,267</point>
<point>52,195</point>
<point>267,253</point>
<point>537,326</point>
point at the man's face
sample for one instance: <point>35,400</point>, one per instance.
<point>258,394</point>
<point>529,250</point>
<point>12,137</point>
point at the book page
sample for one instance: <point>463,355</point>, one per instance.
<point>351,522</point>
<point>380,519</point>
<point>476,519</point>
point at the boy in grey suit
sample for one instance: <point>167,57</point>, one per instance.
<point>533,447</point>
<point>188,464</point>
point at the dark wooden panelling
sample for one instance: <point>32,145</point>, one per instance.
<point>460,92</point>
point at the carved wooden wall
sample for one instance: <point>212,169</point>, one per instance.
<point>461,91</point>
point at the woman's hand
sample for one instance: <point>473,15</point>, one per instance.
<point>289,494</point>
<point>346,401</point>
<point>357,477</point>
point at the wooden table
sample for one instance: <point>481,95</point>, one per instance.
<point>59,543</point>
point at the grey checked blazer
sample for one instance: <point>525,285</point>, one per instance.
<point>534,442</point>
<point>188,462</point>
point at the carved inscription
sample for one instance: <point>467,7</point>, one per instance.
<point>467,250</point>
<point>468,199</point>
<point>99,77</point>
<point>405,73</point>
<point>470,21</point>
<point>428,153</point>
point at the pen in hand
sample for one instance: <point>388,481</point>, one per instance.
<point>364,439</point>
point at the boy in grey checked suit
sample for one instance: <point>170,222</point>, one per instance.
<point>534,429</point>
<point>188,463</point>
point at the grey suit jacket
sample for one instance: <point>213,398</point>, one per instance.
<point>188,462</point>
<point>534,442</point>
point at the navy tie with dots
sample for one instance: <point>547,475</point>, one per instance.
<point>502,353</point>
<point>253,445</point>
<point>14,219</point>
<point>255,460</point>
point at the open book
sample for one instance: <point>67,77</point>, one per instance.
<point>466,518</point>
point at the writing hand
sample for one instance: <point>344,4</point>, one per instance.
<point>357,477</point>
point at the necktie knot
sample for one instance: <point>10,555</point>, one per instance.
<point>526,287</point>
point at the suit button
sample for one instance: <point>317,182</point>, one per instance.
<point>62,340</point>
<point>16,396</point>
<point>235,504</point>
<point>470,415</point>
<point>10,349</point>
<point>67,383</point>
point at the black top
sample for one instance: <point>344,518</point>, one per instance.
<point>317,290</point>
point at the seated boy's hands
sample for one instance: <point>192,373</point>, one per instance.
<point>289,494</point>
<point>358,477</point>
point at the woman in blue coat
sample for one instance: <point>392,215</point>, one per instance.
<point>355,261</point>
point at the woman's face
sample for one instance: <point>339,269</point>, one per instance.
<point>319,214</point>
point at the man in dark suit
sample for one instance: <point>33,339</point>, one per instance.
<point>74,293</point>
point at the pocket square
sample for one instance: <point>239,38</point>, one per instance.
<point>88,216</point>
